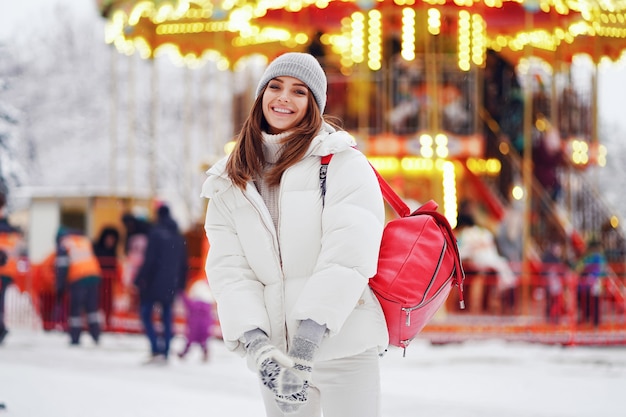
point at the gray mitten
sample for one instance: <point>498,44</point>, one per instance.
<point>275,368</point>
<point>302,351</point>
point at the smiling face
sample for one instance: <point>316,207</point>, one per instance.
<point>285,103</point>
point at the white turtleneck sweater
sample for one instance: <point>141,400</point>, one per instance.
<point>271,150</point>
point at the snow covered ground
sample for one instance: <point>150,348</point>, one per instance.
<point>41,375</point>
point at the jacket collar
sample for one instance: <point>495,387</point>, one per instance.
<point>328,141</point>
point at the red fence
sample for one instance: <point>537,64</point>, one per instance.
<point>536,310</point>
<point>34,302</point>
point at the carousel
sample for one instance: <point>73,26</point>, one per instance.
<point>444,97</point>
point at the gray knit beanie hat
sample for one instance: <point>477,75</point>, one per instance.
<point>301,66</point>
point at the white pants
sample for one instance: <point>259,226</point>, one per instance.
<point>346,387</point>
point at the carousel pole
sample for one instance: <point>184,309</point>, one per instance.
<point>113,123</point>
<point>130,149</point>
<point>595,134</point>
<point>432,82</point>
<point>206,134</point>
<point>186,154</point>
<point>527,174</point>
<point>366,88</point>
<point>154,90</point>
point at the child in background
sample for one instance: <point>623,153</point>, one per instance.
<point>592,272</point>
<point>199,312</point>
<point>554,271</point>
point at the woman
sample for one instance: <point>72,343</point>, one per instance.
<point>289,270</point>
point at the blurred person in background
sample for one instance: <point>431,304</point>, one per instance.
<point>509,236</point>
<point>160,278</point>
<point>135,243</point>
<point>105,249</point>
<point>547,155</point>
<point>79,275</point>
<point>554,272</point>
<point>12,247</point>
<point>477,247</point>
<point>199,317</point>
<point>592,270</point>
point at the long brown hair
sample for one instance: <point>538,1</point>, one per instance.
<point>247,160</point>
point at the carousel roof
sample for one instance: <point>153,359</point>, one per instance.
<point>357,30</point>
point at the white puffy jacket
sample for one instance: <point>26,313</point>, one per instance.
<point>315,266</point>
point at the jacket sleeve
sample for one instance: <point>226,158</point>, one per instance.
<point>352,224</point>
<point>145,271</point>
<point>239,295</point>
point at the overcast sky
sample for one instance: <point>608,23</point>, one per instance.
<point>29,14</point>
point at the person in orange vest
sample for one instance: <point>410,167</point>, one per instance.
<point>11,248</point>
<point>78,273</point>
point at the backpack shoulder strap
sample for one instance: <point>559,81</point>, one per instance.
<point>391,197</point>
<point>323,170</point>
<point>389,194</point>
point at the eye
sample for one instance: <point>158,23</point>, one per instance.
<point>301,91</point>
<point>274,86</point>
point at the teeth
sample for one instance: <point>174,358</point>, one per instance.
<point>279,110</point>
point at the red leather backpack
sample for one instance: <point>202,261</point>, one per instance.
<point>418,264</point>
